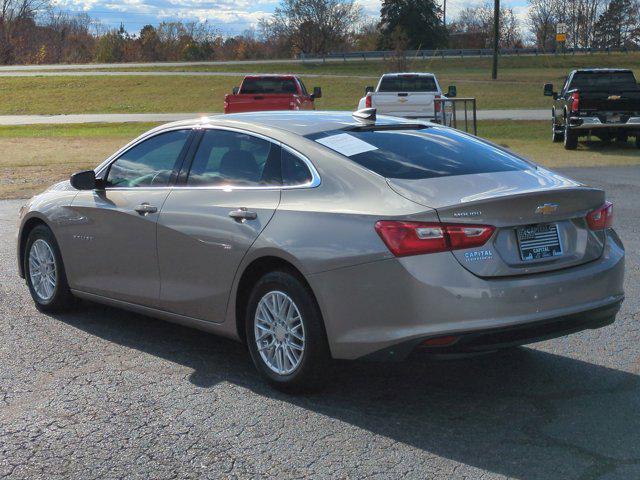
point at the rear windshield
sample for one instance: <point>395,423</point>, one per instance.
<point>605,81</point>
<point>408,83</point>
<point>422,153</point>
<point>268,85</point>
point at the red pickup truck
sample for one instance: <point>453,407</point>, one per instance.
<point>270,92</point>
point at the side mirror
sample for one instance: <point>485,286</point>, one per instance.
<point>317,93</point>
<point>548,90</point>
<point>235,90</point>
<point>84,180</point>
<point>368,90</point>
<point>452,91</point>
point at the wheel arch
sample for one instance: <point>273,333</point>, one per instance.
<point>251,274</point>
<point>26,229</point>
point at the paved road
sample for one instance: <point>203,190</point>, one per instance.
<point>169,117</point>
<point>161,73</point>
<point>102,393</point>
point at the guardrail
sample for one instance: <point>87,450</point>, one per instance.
<point>453,52</point>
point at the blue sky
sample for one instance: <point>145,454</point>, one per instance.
<point>231,17</point>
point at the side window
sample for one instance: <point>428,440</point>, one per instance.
<point>294,170</point>
<point>150,163</point>
<point>303,88</point>
<point>235,159</point>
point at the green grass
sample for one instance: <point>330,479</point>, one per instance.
<point>37,156</point>
<point>88,130</point>
<point>519,84</point>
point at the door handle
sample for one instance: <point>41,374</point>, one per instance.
<point>242,214</point>
<point>146,209</point>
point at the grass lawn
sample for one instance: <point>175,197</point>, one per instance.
<point>37,156</point>
<point>519,85</point>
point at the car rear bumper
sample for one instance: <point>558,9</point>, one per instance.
<point>592,123</point>
<point>379,309</point>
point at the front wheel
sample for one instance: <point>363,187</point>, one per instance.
<point>285,333</point>
<point>556,136</point>
<point>44,272</point>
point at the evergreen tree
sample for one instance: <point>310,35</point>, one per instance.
<point>419,20</point>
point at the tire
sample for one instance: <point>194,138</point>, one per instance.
<point>570,139</point>
<point>44,272</point>
<point>622,137</point>
<point>556,136</point>
<point>638,141</point>
<point>299,355</point>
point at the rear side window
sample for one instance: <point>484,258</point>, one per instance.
<point>268,85</point>
<point>226,158</point>
<point>408,83</point>
<point>415,154</point>
<point>604,81</point>
<point>294,170</point>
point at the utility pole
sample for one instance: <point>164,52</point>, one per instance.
<point>496,37</point>
<point>444,13</point>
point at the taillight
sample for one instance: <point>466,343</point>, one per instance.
<point>415,238</point>
<point>367,101</point>
<point>575,105</point>
<point>601,218</point>
<point>437,104</point>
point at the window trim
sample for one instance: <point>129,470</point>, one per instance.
<point>315,176</point>
<point>189,154</point>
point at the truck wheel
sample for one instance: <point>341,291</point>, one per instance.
<point>638,141</point>
<point>556,134</point>
<point>570,139</point>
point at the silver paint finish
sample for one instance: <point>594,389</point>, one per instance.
<point>184,263</point>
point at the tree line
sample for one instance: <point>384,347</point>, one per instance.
<point>33,31</point>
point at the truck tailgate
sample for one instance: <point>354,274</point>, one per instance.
<point>621,102</point>
<point>250,102</point>
<point>404,104</point>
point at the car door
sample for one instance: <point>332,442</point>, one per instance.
<point>114,236</point>
<point>210,220</point>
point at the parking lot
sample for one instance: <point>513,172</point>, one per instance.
<point>102,393</point>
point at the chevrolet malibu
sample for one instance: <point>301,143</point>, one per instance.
<point>316,235</point>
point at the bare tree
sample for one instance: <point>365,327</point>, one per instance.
<point>474,28</point>
<point>312,26</point>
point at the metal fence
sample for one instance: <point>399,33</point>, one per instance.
<point>452,52</point>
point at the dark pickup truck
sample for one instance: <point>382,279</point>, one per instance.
<point>600,102</point>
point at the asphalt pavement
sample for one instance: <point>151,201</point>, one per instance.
<point>102,393</point>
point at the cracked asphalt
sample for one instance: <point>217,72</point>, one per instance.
<point>102,393</point>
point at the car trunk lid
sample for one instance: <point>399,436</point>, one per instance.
<point>539,218</point>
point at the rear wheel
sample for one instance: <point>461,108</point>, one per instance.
<point>44,272</point>
<point>638,141</point>
<point>285,333</point>
<point>570,138</point>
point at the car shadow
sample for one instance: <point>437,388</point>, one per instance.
<point>524,413</point>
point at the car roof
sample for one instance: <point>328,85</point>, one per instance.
<point>602,70</point>
<point>297,122</point>
<point>409,74</point>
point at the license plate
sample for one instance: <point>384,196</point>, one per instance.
<point>539,241</point>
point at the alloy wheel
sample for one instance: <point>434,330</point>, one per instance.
<point>279,332</point>
<point>42,270</point>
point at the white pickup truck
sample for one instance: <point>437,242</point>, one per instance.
<point>409,95</point>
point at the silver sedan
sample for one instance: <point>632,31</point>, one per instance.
<point>316,235</point>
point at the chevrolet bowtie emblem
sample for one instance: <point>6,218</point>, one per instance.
<point>613,97</point>
<point>402,100</point>
<point>547,208</point>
